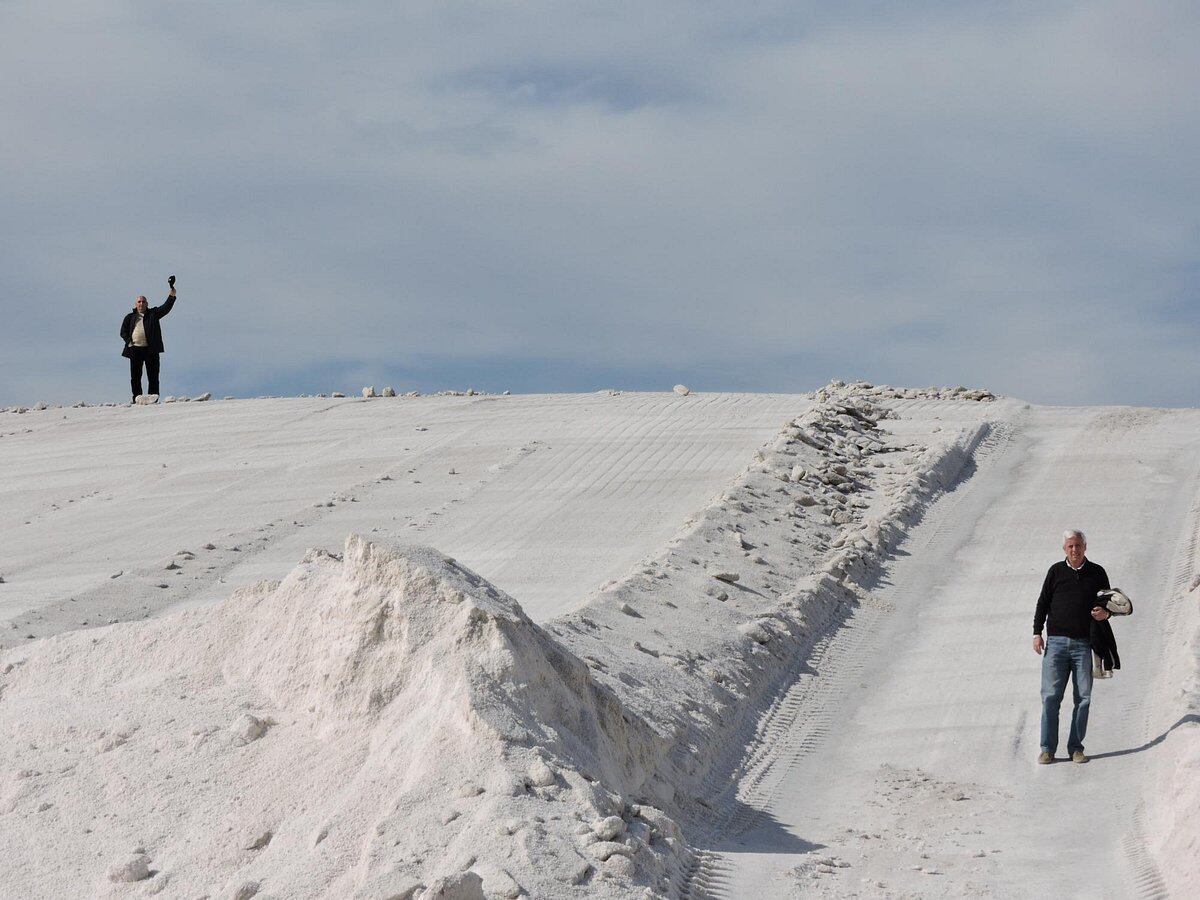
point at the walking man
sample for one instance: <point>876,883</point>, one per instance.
<point>1067,605</point>
<point>143,340</point>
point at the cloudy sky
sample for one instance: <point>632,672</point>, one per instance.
<point>567,196</point>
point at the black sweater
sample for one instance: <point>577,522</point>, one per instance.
<point>1068,598</point>
<point>154,341</point>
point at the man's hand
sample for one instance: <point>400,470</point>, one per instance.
<point>1038,644</point>
<point>1099,613</point>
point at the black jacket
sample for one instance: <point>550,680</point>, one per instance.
<point>154,342</point>
<point>1068,598</point>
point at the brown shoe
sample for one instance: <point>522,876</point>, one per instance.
<point>1045,758</point>
<point>1078,757</point>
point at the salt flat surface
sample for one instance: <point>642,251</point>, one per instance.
<point>551,495</point>
<point>743,646</point>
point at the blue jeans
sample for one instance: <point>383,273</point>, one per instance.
<point>1066,656</point>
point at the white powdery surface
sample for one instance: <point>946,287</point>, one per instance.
<point>377,724</point>
<point>367,727</point>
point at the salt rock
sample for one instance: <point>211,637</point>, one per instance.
<point>609,827</point>
<point>540,774</point>
<point>146,399</point>
<point>798,473</point>
<point>202,398</point>
<point>337,394</point>
<point>620,866</point>
<point>256,840</point>
<point>369,392</point>
<point>228,397</point>
<point>41,406</point>
<point>136,868</point>
<point>168,399</point>
<point>245,890</point>
<point>729,577</point>
<point>602,850</point>
<point>248,729</point>
<point>756,632</point>
<point>389,392</point>
<point>460,886</point>
<point>498,883</point>
<point>682,390</point>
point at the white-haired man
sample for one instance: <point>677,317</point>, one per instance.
<point>1066,606</point>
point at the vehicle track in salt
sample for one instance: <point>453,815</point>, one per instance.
<point>743,787</point>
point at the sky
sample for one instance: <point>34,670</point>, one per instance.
<point>755,196</point>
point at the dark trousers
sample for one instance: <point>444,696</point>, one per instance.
<point>138,356</point>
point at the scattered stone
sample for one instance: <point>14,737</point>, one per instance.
<point>369,392</point>
<point>389,392</point>
<point>245,890</point>
<point>468,789</point>
<point>682,390</point>
<point>337,394</point>
<point>210,546</point>
<point>728,577</point>
<point>228,397</point>
<point>202,398</point>
<point>146,399</point>
<point>319,835</point>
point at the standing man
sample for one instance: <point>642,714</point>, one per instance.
<point>1067,605</point>
<point>143,340</point>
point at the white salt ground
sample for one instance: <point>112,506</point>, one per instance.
<point>778,681</point>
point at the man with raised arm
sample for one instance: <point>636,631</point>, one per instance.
<point>143,340</point>
<point>1067,606</point>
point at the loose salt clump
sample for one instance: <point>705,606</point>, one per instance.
<point>248,729</point>
<point>246,890</point>
<point>540,774</point>
<point>136,868</point>
<point>609,827</point>
<point>146,399</point>
<point>256,840</point>
<point>602,850</point>
<point>389,392</point>
<point>461,886</point>
<point>202,398</point>
<point>369,392</point>
<point>682,390</point>
<point>337,394</point>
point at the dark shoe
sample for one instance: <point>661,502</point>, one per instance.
<point>1078,757</point>
<point>1045,758</point>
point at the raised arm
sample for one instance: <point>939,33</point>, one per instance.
<point>161,311</point>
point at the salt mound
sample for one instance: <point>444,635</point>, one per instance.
<point>390,701</point>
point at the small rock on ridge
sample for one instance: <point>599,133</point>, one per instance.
<point>682,390</point>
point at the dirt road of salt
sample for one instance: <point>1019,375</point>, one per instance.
<point>903,762</point>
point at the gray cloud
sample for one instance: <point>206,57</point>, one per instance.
<point>561,197</point>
